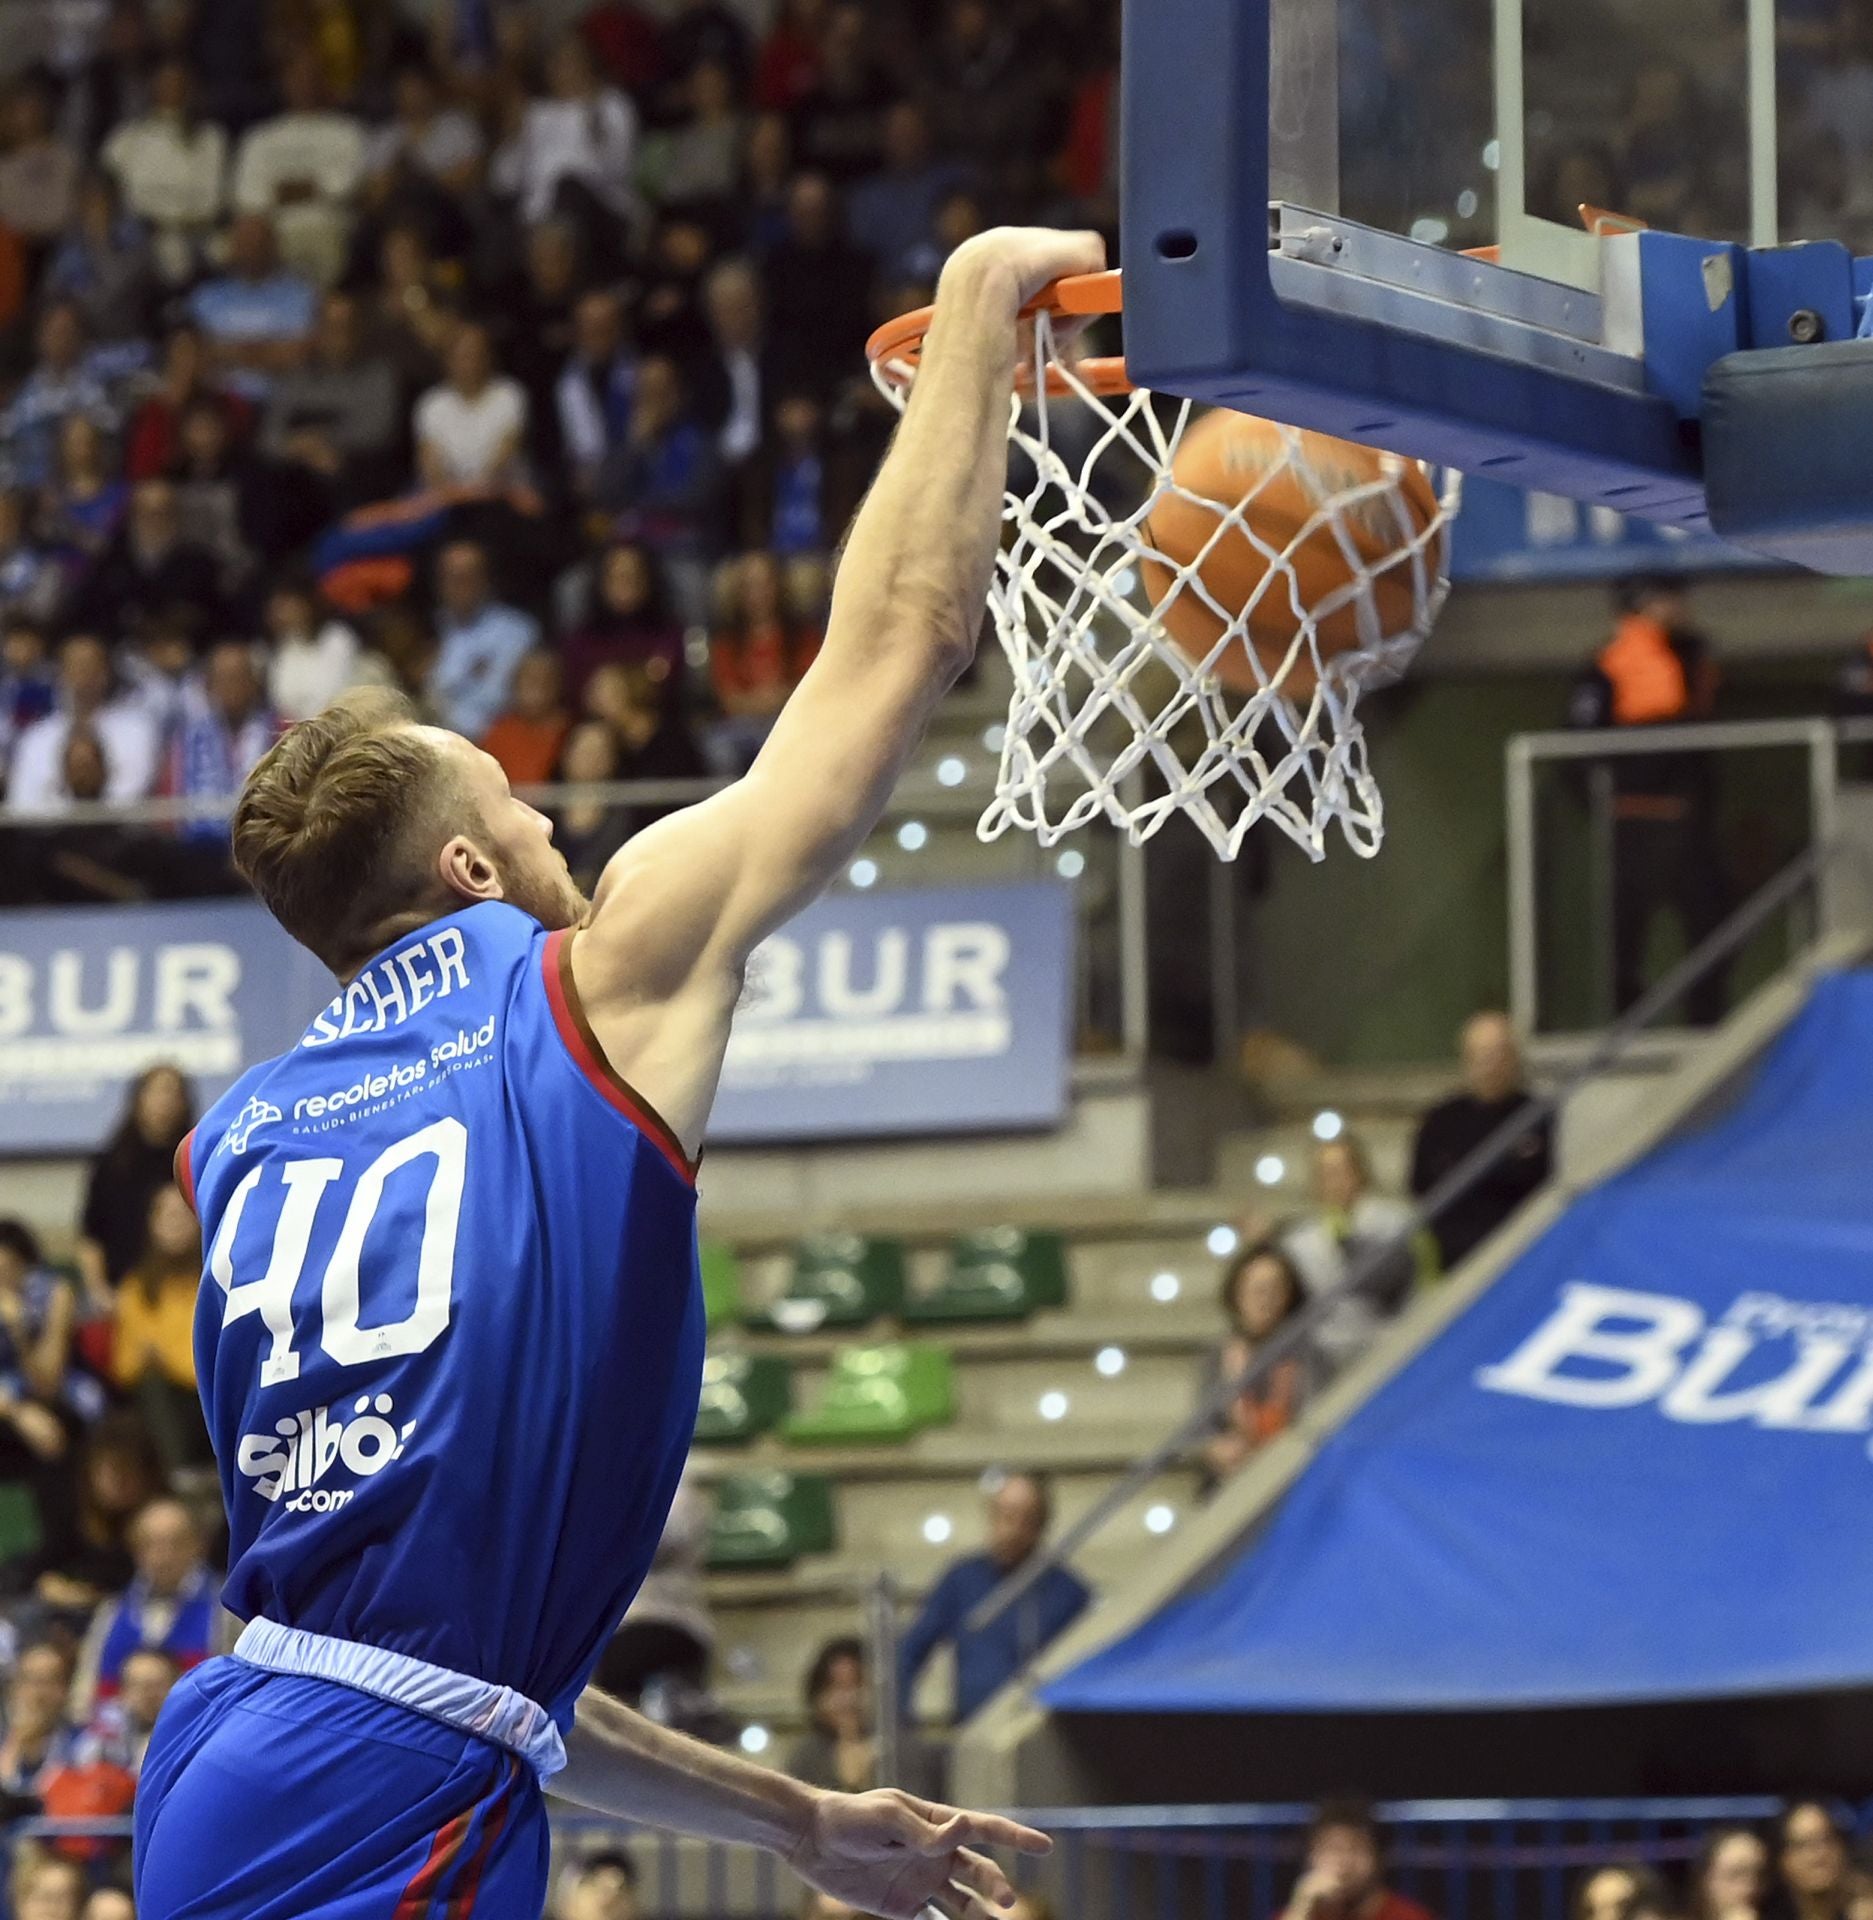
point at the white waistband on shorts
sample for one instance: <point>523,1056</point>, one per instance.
<point>499,1714</point>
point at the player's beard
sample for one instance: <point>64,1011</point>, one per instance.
<point>549,894</point>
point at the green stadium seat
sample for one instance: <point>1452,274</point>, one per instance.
<point>721,1285</point>
<point>1004,1274</point>
<point>838,1280</point>
<point>20,1533</point>
<point>771,1519</point>
<point>743,1395</point>
<point>881,1393</point>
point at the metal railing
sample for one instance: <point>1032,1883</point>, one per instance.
<point>1292,1338</point>
<point>1464,1859</point>
<point>1819,741</point>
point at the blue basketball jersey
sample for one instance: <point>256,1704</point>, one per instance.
<point>450,1332</point>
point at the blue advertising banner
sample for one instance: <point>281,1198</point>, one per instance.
<point>90,996</point>
<point>942,1010</point>
<point>1505,535</point>
<point>1635,1469</point>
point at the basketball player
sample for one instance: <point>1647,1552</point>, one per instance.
<point>451,1330</point>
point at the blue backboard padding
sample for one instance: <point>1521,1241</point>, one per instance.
<point>1504,536</point>
<point>1694,295</point>
<point>1786,439</point>
<point>1666,1499</point>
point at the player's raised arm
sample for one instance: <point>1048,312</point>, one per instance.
<point>681,907</point>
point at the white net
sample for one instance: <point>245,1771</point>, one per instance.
<point>1110,717</point>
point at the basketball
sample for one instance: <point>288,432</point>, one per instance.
<point>1283,477</point>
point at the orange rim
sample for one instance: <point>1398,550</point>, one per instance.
<point>896,349</point>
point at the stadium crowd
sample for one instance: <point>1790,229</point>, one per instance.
<point>507,355</point>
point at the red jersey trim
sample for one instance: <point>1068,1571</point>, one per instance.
<point>588,1056</point>
<point>185,1169</point>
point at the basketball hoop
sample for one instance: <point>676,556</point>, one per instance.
<point>1147,683</point>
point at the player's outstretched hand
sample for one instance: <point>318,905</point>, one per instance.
<point>894,1855</point>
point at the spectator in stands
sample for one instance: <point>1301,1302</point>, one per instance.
<point>85,504</point>
<point>426,140</point>
<point>1356,1232</point>
<point>48,1886</point>
<point>258,316</point>
<point>39,170</point>
<point>38,1318</point>
<point>225,502</point>
<point>173,1603</point>
<point>756,658</point>
<point>700,30</point>
<point>892,213</point>
<point>789,61</point>
<point>731,390</point>
<point>62,383</point>
<point>471,430</point>
<point>38,1737</point>
<point>630,623</point>
<point>147,565</point>
<point>1657,671</point>
<point>1627,1890</point>
<point>602,1886</point>
<point>153,441</point>
<point>1262,1292</point>
<point>30,584</point>
<point>980,98</point>
<point>136,1160</point>
<point>697,162</point>
<point>839,1750</point>
<point>594,392</point>
<point>103,266</point>
<point>113,1903</point>
<point>1343,1878</point>
<point>91,697</point>
<point>988,1657</point>
<point>1815,1880</point>
<point>171,168</point>
<point>218,743</point>
<point>410,317</point>
<point>153,1345</point>
<point>839,124</point>
<point>86,1553</point>
<point>91,863</point>
<point>1494,1090</point>
<point>662,1649</point>
<point>816,292</point>
<point>576,151</point>
<point>481,640</point>
<point>663,484</point>
<point>529,733</point>
<point>119,1731</point>
<point>311,661</point>
<point>786,494</point>
<point>27,686</point>
<point>302,169</point>
<point>588,832</point>
<point>335,423</point>
<point>1731,1876</point>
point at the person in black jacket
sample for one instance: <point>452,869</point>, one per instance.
<point>1493,1089</point>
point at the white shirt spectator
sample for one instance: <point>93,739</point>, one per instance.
<point>324,148</point>
<point>1326,1248</point>
<point>307,672</point>
<point>172,176</point>
<point>593,141</point>
<point>128,735</point>
<point>464,440</point>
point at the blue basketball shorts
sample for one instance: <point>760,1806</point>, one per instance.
<point>270,1796</point>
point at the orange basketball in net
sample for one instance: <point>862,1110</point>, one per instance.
<point>1352,568</point>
